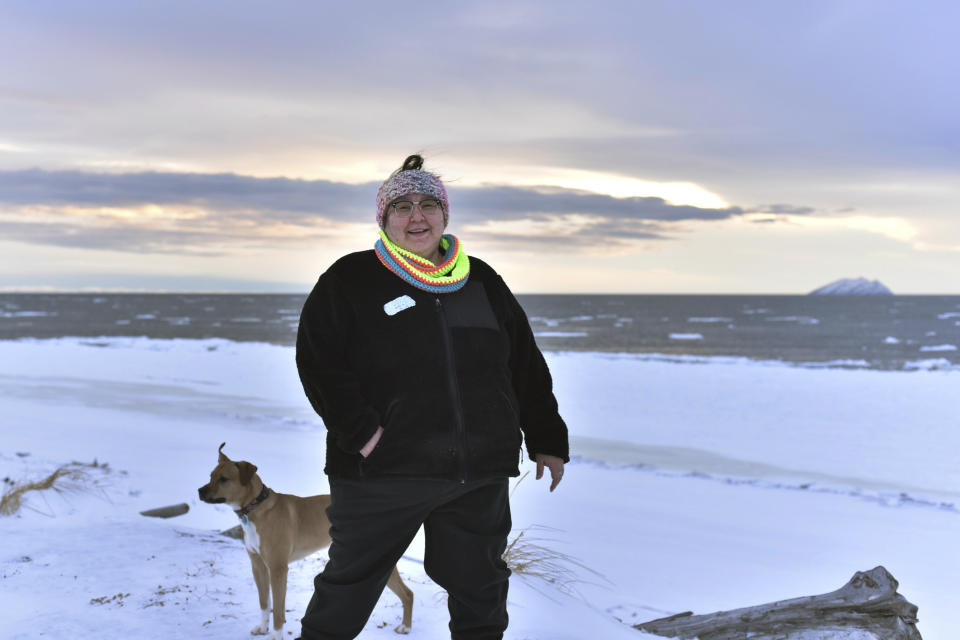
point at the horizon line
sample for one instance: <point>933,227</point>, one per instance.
<point>306,291</point>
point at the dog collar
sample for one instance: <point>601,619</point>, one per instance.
<point>242,513</point>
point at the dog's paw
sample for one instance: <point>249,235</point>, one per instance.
<point>263,628</point>
<point>402,628</point>
<point>276,635</point>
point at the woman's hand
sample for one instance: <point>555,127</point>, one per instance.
<point>372,442</point>
<point>555,465</point>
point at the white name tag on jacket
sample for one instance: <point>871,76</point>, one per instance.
<point>397,305</point>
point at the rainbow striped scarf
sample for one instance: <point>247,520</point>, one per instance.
<point>446,277</point>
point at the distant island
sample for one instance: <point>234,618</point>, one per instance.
<point>853,287</point>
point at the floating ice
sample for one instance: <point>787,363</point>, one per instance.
<point>26,314</point>
<point>560,334</point>
<point>797,319</point>
<point>939,347</point>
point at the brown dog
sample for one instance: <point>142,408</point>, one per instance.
<point>279,528</point>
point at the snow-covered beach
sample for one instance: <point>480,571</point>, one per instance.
<point>698,484</point>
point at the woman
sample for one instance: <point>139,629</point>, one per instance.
<point>426,374</point>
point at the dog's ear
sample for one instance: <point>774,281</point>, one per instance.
<point>246,471</point>
<point>223,456</point>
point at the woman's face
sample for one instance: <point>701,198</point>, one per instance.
<point>418,233</point>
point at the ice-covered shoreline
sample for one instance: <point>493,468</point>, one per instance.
<point>727,416</point>
<point>778,480</point>
<point>920,363</point>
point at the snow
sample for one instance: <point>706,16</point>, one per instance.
<point>930,364</point>
<point>853,287</point>
<point>698,484</point>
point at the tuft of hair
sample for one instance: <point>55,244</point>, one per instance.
<point>530,558</point>
<point>412,163</point>
<point>68,478</point>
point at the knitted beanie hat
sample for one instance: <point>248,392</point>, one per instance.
<point>411,178</point>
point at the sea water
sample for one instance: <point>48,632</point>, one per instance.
<point>868,332</point>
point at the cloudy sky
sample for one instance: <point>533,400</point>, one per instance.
<point>669,146</point>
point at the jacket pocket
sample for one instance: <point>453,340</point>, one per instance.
<point>493,430</point>
<point>383,444</point>
<point>417,440</point>
<point>514,416</point>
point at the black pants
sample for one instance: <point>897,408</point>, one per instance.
<point>373,521</point>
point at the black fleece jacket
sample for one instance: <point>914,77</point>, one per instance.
<point>455,379</point>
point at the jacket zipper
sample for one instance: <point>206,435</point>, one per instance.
<point>455,394</point>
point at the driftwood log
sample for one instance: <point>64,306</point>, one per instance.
<point>170,511</point>
<point>866,608</point>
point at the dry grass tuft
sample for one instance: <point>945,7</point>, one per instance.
<point>529,557</point>
<point>70,478</point>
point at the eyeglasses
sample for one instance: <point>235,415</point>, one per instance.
<point>404,208</point>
